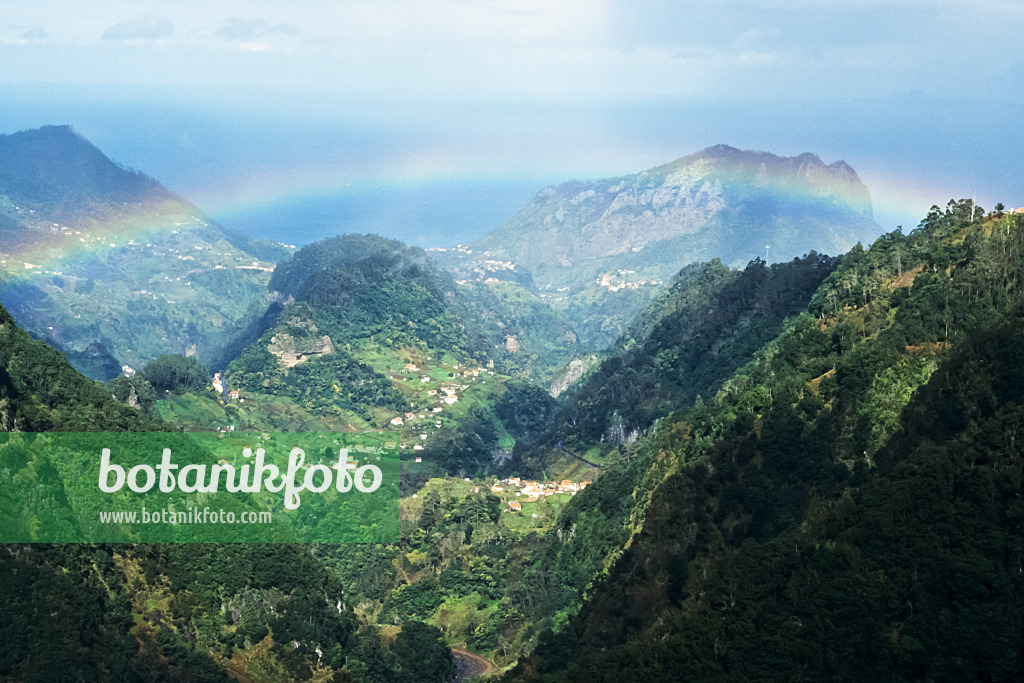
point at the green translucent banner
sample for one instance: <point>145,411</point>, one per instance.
<point>230,487</point>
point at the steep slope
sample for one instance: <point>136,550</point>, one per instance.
<point>709,322</point>
<point>727,202</point>
<point>108,265</point>
<point>846,508</point>
<point>175,612</point>
<point>603,247</point>
<point>40,391</point>
<point>525,334</point>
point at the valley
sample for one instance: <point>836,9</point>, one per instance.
<point>630,446</point>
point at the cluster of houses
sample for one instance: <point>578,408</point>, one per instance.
<point>535,490</point>
<point>445,396</point>
<point>613,285</point>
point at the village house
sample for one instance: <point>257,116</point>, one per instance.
<point>419,458</point>
<point>534,490</point>
<point>514,506</point>
<point>233,394</point>
<point>418,447</point>
<point>397,421</point>
<point>451,400</point>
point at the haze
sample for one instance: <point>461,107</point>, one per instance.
<point>434,120</point>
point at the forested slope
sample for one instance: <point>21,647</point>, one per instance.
<point>847,507</point>
<point>708,323</point>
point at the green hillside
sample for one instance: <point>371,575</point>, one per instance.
<point>704,326</point>
<point>844,508</point>
<point>370,337</point>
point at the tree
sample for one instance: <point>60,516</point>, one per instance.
<point>420,654</point>
<point>176,374</point>
<point>135,391</point>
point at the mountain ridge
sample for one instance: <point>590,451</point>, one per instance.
<point>695,184</point>
<point>598,250</point>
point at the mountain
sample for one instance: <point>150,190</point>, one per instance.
<point>598,250</point>
<point>846,507</point>
<point>365,333</point>
<point>808,470</point>
<point>111,267</point>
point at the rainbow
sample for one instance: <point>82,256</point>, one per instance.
<point>65,246</point>
<point>890,196</point>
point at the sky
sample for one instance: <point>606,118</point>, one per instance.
<point>434,120</point>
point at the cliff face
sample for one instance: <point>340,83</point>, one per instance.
<point>573,371</point>
<point>723,201</point>
<point>299,341</point>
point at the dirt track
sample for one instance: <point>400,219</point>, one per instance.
<point>469,665</point>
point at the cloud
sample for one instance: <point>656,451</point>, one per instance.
<point>137,30</point>
<point>248,29</point>
<point>34,33</point>
<point>21,34</point>
<point>254,46</point>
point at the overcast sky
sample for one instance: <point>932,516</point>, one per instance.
<point>242,105</point>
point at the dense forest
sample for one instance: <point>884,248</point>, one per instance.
<point>687,342</point>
